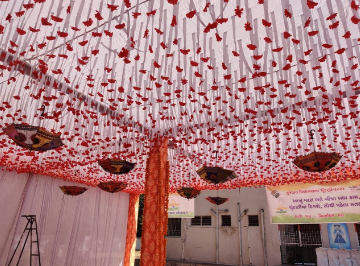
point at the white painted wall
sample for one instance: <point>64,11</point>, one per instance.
<point>201,241</point>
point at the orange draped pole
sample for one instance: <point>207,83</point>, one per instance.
<point>154,230</point>
<point>131,230</point>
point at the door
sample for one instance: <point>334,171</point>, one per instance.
<point>298,243</point>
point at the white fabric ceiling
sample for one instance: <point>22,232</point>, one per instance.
<point>253,94</point>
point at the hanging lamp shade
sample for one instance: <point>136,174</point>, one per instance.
<point>215,175</point>
<point>73,190</point>
<point>33,137</point>
<point>116,166</point>
<point>188,192</point>
<point>112,186</point>
<point>317,161</point>
<point>217,200</point>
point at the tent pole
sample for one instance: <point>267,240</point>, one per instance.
<point>217,234</point>
<point>250,263</point>
<point>240,244</point>
<point>263,236</point>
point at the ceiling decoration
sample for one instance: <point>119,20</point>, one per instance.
<point>217,200</point>
<point>116,166</point>
<point>188,192</point>
<point>112,186</point>
<point>33,138</point>
<point>73,190</point>
<point>249,79</point>
<point>317,161</point>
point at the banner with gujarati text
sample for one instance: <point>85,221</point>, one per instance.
<point>180,207</point>
<point>299,203</point>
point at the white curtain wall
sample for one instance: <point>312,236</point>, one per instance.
<point>89,229</point>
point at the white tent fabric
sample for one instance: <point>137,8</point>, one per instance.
<point>322,257</point>
<point>337,257</point>
<point>334,259</point>
<point>345,257</point>
<point>89,229</point>
<point>355,256</point>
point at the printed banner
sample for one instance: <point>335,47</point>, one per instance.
<point>314,202</point>
<point>339,236</point>
<point>180,207</point>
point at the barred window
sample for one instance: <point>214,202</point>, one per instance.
<point>201,221</point>
<point>225,220</point>
<point>253,220</point>
<point>174,227</point>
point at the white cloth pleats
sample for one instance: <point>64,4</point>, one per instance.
<point>322,257</point>
<point>355,256</point>
<point>333,255</point>
<point>89,229</point>
<point>345,257</point>
<point>337,257</point>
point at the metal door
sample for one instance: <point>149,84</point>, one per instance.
<point>298,243</point>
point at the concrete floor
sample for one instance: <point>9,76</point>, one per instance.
<point>192,263</point>
<point>180,262</point>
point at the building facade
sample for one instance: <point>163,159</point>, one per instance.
<point>196,239</point>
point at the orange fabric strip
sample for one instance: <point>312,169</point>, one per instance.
<point>131,230</point>
<point>153,241</point>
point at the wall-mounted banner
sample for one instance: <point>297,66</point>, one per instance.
<point>180,207</point>
<point>339,236</point>
<point>314,202</point>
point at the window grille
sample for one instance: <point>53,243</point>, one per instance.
<point>201,221</point>
<point>174,227</point>
<point>299,242</point>
<point>253,220</point>
<point>196,220</point>
<point>310,235</point>
<point>206,220</point>
<point>225,220</point>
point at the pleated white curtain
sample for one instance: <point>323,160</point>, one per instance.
<point>89,229</point>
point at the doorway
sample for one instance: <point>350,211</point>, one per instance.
<point>299,242</point>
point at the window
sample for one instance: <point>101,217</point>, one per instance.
<point>225,220</point>
<point>174,227</point>
<point>253,220</point>
<point>201,221</point>
<point>206,221</point>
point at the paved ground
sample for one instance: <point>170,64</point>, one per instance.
<point>192,263</point>
<point>179,262</point>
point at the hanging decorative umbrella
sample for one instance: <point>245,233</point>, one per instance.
<point>217,200</point>
<point>317,161</point>
<point>216,175</point>
<point>188,192</point>
<point>116,166</point>
<point>73,190</point>
<point>33,137</point>
<point>112,186</point>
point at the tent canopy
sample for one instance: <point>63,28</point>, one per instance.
<point>248,79</point>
